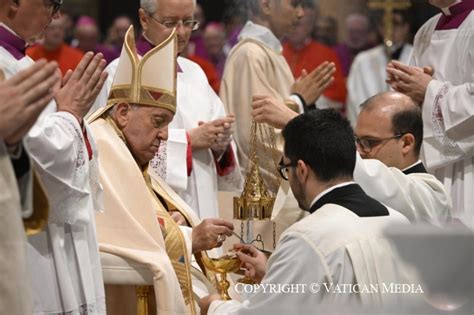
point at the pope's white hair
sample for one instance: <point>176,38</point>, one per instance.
<point>150,6</point>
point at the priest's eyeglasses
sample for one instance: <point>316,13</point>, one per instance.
<point>189,24</point>
<point>367,144</point>
<point>283,169</point>
<point>53,5</point>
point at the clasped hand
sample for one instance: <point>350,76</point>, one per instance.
<point>215,135</point>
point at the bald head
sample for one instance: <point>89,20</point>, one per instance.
<point>389,101</point>
<point>405,114</point>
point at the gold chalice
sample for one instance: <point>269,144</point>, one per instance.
<point>223,265</point>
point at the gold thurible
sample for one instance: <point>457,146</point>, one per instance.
<point>256,201</point>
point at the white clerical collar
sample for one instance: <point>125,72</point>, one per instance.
<point>406,168</point>
<point>261,34</point>
<point>446,9</point>
<point>328,191</point>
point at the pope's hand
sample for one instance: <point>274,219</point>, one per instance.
<point>311,86</point>
<point>254,261</point>
<point>81,87</point>
<point>205,235</point>
<point>267,109</point>
<point>23,98</point>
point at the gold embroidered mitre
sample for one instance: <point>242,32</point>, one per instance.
<point>149,80</point>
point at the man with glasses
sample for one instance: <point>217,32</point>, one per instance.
<point>389,134</point>
<point>339,242</point>
<point>63,259</point>
<point>198,158</point>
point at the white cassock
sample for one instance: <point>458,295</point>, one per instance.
<point>333,245</point>
<point>63,260</point>
<point>448,110</point>
<point>418,196</point>
<point>367,77</point>
<point>196,101</point>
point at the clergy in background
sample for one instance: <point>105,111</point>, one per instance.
<point>64,157</point>
<point>144,220</point>
<point>368,76</point>
<point>339,242</point>
<point>303,53</point>
<point>256,66</point>
<point>54,48</point>
<point>20,106</point>
<point>446,95</point>
<point>198,159</point>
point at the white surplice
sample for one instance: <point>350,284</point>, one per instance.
<point>196,101</point>
<point>367,77</point>
<point>418,196</point>
<point>15,294</point>
<point>448,110</point>
<point>63,260</point>
<point>330,246</point>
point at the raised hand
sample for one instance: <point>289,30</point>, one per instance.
<point>205,135</point>
<point>267,109</point>
<point>23,98</point>
<point>206,234</point>
<point>254,261</point>
<point>80,88</point>
<point>311,86</point>
<point>411,81</point>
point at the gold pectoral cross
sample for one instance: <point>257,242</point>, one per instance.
<point>388,6</point>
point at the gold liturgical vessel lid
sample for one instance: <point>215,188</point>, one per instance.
<point>256,201</point>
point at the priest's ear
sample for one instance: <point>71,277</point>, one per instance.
<point>408,144</point>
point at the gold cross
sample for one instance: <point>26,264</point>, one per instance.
<point>388,6</point>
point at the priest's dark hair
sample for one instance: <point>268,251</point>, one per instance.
<point>409,120</point>
<point>324,140</point>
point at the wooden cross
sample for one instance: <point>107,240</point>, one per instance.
<point>388,6</point>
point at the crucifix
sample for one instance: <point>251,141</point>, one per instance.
<point>388,6</point>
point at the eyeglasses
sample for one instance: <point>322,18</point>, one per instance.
<point>189,24</point>
<point>53,5</point>
<point>368,144</point>
<point>283,168</point>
